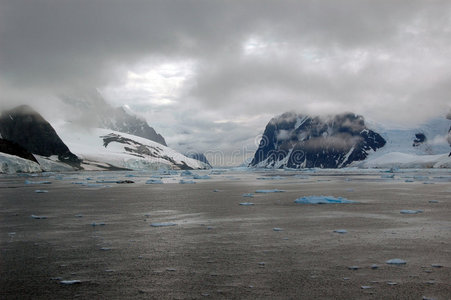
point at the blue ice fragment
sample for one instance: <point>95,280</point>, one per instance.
<point>196,176</point>
<point>388,176</point>
<point>154,181</point>
<point>396,261</point>
<point>248,195</point>
<point>246,203</point>
<point>342,231</point>
<point>269,191</point>
<point>37,182</point>
<point>410,212</point>
<point>41,191</point>
<point>186,173</point>
<point>322,200</point>
<point>38,217</point>
<point>93,224</point>
<point>277,229</point>
<point>163,224</point>
<point>70,282</point>
<point>186,181</point>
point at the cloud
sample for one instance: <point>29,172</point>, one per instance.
<point>186,65</point>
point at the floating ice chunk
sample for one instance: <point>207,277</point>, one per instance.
<point>427,298</point>
<point>41,191</point>
<point>396,261</point>
<point>216,191</point>
<point>79,216</point>
<point>433,201</point>
<point>130,175</point>
<point>269,191</point>
<point>93,224</point>
<point>171,269</point>
<point>392,283</point>
<point>322,200</point>
<point>37,182</point>
<point>341,231</point>
<point>154,181</point>
<point>410,212</point>
<point>163,224</point>
<point>187,182</point>
<point>69,282</point>
<point>106,181</point>
<point>270,178</point>
<point>365,287</point>
<point>105,249</point>
<point>38,217</point>
<point>250,195</point>
<point>354,268</point>
<point>437,266</point>
<point>409,180</point>
<point>186,173</point>
<point>124,181</point>
<point>277,229</point>
<point>246,203</point>
<point>374,266</point>
<point>196,176</point>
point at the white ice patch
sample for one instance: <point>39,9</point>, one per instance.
<point>246,203</point>
<point>163,224</point>
<point>410,212</point>
<point>154,181</point>
<point>396,261</point>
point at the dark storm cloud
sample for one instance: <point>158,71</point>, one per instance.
<point>386,59</point>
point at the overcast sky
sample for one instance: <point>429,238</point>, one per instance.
<point>209,74</point>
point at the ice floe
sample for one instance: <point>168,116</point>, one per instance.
<point>396,261</point>
<point>37,182</point>
<point>187,182</point>
<point>162,224</point>
<point>250,195</point>
<point>410,212</point>
<point>196,176</point>
<point>246,203</point>
<point>322,200</point>
<point>93,224</point>
<point>341,231</point>
<point>70,282</point>
<point>154,181</point>
<point>38,217</point>
<point>41,191</point>
<point>269,191</point>
<point>277,229</point>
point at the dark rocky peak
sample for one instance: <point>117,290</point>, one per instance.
<point>12,148</point>
<point>301,141</point>
<point>26,127</point>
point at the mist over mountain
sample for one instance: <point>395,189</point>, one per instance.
<point>94,111</point>
<point>300,141</point>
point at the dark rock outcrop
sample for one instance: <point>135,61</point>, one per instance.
<point>299,141</point>
<point>12,148</point>
<point>27,128</point>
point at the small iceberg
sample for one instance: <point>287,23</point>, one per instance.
<point>186,173</point>
<point>388,176</point>
<point>37,182</point>
<point>187,182</point>
<point>269,191</point>
<point>410,212</point>
<point>93,224</point>
<point>38,217</point>
<point>154,181</point>
<point>196,176</point>
<point>246,203</point>
<point>163,224</point>
<point>250,195</point>
<point>41,191</point>
<point>341,231</point>
<point>322,200</point>
<point>277,229</point>
<point>70,282</point>
<point>396,261</point>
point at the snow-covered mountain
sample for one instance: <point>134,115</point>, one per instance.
<point>300,141</point>
<point>107,149</point>
<point>425,146</point>
<point>98,113</point>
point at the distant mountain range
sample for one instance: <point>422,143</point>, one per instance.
<point>28,143</point>
<point>294,140</point>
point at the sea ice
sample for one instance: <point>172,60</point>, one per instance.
<point>410,212</point>
<point>270,178</point>
<point>322,200</point>
<point>97,224</point>
<point>396,261</point>
<point>154,181</point>
<point>37,182</point>
<point>269,191</point>
<point>41,191</point>
<point>163,224</point>
<point>388,176</point>
<point>69,282</point>
<point>196,176</point>
<point>354,268</point>
<point>187,182</point>
<point>248,195</point>
<point>186,173</point>
<point>246,203</point>
<point>277,229</point>
<point>38,217</point>
<point>342,231</point>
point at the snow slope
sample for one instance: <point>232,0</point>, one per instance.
<point>399,150</point>
<point>103,148</point>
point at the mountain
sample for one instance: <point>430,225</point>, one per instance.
<point>300,141</point>
<point>199,156</point>
<point>105,149</point>
<point>28,129</point>
<point>103,115</point>
<point>12,148</point>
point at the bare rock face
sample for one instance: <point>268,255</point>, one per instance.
<point>12,148</point>
<point>28,129</point>
<point>300,141</point>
